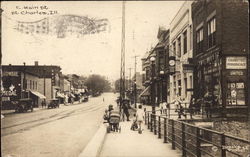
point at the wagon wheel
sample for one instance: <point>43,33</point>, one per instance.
<point>108,129</point>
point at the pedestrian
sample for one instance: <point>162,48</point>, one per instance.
<point>161,108</point>
<point>139,118</point>
<point>164,106</point>
<point>191,107</point>
<point>43,104</point>
<point>208,104</point>
<point>125,110</point>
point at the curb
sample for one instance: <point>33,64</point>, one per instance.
<point>94,147</point>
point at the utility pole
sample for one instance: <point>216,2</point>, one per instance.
<point>135,88</point>
<point>122,72</point>
<point>130,78</point>
<point>44,81</point>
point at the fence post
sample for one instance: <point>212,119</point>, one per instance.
<point>169,112</point>
<point>165,130</point>
<point>223,143</point>
<point>198,143</point>
<point>159,127</point>
<point>155,129</point>
<point>183,138</point>
<point>151,122</point>
<point>148,121</point>
<point>173,135</point>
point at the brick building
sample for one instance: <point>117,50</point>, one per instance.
<point>220,48</point>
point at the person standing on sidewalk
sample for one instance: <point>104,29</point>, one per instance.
<point>139,118</point>
<point>125,110</point>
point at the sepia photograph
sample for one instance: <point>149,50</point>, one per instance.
<point>167,78</point>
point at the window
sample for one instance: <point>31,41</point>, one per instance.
<point>211,32</point>
<point>174,48</point>
<point>199,40</point>
<point>185,82</point>
<point>185,42</point>
<point>179,47</point>
<point>30,84</point>
<point>179,87</point>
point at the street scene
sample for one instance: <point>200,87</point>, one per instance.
<point>125,78</point>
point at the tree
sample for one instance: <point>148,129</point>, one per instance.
<point>97,83</point>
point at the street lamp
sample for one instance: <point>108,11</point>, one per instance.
<point>152,59</point>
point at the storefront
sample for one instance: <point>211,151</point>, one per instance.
<point>226,79</point>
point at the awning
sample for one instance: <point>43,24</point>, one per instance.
<point>145,92</point>
<point>60,95</point>
<point>38,94</point>
<point>72,95</point>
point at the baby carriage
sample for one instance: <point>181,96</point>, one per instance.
<point>134,125</point>
<point>113,121</point>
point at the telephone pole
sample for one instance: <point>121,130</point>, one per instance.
<point>135,88</point>
<point>122,72</point>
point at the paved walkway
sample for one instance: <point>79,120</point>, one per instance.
<point>129,143</point>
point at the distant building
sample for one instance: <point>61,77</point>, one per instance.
<point>160,69</point>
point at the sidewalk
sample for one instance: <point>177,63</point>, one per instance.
<point>129,143</point>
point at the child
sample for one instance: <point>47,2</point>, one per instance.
<point>106,116</point>
<point>139,118</point>
<point>134,125</point>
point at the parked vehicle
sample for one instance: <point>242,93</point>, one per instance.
<point>53,103</point>
<point>24,105</point>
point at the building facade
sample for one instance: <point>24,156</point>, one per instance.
<point>181,82</point>
<point>42,81</point>
<point>17,80</point>
<point>221,45</point>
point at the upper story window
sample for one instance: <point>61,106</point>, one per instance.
<point>211,32</point>
<point>179,47</point>
<point>199,40</point>
<point>185,42</point>
<point>174,48</point>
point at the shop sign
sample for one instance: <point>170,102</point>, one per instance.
<point>9,93</point>
<point>236,73</point>
<point>236,62</point>
<point>10,73</point>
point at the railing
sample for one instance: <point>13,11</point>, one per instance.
<point>196,141</point>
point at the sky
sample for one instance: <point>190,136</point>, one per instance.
<point>93,54</point>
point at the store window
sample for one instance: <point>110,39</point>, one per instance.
<point>199,40</point>
<point>211,32</point>
<point>235,93</point>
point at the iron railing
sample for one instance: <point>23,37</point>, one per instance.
<point>195,141</point>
